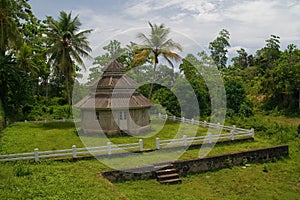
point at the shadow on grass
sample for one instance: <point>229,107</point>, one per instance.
<point>58,125</point>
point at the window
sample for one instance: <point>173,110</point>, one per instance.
<point>97,115</point>
<point>122,115</point>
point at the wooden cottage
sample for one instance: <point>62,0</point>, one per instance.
<point>114,104</point>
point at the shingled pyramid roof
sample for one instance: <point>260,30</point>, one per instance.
<point>114,76</point>
<point>114,89</point>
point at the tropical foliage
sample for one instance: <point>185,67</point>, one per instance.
<point>66,46</point>
<point>41,60</point>
<point>155,45</point>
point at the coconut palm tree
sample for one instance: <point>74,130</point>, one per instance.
<point>9,76</point>
<point>155,45</point>
<point>67,46</point>
<point>11,13</point>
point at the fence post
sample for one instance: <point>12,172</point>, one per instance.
<point>25,121</point>
<point>159,115</point>
<point>182,119</point>
<point>174,118</point>
<point>184,140</point>
<point>166,116</point>
<point>74,151</point>
<point>204,124</point>
<point>218,126</point>
<point>252,132</point>
<point>157,144</point>
<point>36,155</point>
<point>209,138</point>
<point>141,145</point>
<point>192,121</point>
<point>234,128</point>
<point>109,148</point>
<point>232,134</point>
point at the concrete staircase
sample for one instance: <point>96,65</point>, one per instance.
<point>167,174</point>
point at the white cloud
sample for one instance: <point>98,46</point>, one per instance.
<point>195,23</point>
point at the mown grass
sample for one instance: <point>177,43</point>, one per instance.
<point>56,180</point>
<point>159,129</point>
<point>280,182</point>
<point>81,179</point>
<point>25,137</point>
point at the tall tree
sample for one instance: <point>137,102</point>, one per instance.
<point>12,12</point>
<point>155,45</point>
<point>114,51</point>
<point>9,79</point>
<point>218,48</point>
<point>241,61</point>
<point>66,46</point>
<point>282,83</point>
<point>191,67</point>
<point>265,58</point>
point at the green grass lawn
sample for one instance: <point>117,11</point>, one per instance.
<point>280,182</point>
<point>81,179</point>
<point>25,137</point>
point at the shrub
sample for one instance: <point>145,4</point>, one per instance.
<point>60,112</point>
<point>22,170</point>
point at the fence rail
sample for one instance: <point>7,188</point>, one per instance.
<point>205,124</point>
<point>210,138</point>
<point>109,148</point>
<point>233,132</point>
<point>50,120</point>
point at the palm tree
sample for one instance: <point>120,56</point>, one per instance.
<point>11,14</point>
<point>66,46</point>
<point>9,77</point>
<point>155,45</point>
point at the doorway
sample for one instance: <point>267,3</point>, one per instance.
<point>123,120</point>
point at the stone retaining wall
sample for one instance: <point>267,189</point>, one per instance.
<point>202,164</point>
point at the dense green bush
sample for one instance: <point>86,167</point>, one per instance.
<point>41,112</point>
<point>279,133</point>
<point>22,170</point>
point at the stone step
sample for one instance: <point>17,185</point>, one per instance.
<point>163,166</point>
<point>171,181</point>
<point>166,171</point>
<point>167,177</point>
<point>167,174</point>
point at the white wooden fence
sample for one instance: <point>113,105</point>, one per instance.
<point>234,132</point>
<point>50,120</point>
<point>109,148</point>
<point>74,152</point>
<point>197,122</point>
<point>210,138</point>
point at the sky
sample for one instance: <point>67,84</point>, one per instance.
<point>193,23</point>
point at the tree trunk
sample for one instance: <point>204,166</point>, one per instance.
<point>154,78</point>
<point>299,100</point>
<point>2,117</point>
<point>68,95</point>
<point>47,91</point>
